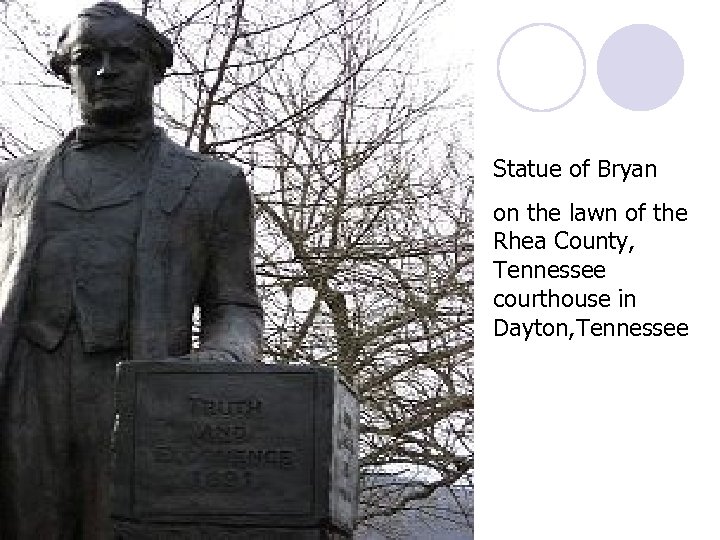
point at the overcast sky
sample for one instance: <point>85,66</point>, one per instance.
<point>449,36</point>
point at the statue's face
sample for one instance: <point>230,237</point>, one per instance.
<point>110,70</point>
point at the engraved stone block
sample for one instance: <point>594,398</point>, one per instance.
<point>236,451</point>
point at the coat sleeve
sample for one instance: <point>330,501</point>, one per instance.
<point>231,312</point>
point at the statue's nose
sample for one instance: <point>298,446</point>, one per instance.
<point>107,66</point>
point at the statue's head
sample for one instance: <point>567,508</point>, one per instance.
<point>112,59</point>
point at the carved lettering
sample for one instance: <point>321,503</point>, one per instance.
<point>220,433</point>
<point>257,458</point>
<point>346,442</point>
<point>345,494</point>
<point>219,479</point>
<point>206,406</point>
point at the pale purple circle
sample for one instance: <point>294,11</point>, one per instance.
<point>640,67</point>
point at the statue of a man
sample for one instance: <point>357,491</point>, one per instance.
<point>107,242</point>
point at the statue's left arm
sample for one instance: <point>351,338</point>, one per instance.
<point>231,315</point>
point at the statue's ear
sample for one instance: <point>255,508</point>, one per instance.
<point>59,67</point>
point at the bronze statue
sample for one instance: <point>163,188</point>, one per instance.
<point>107,242</point>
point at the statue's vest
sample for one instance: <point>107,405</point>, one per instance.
<point>172,174</point>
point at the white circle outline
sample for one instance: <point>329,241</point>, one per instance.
<point>582,79</point>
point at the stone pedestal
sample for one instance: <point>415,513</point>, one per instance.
<point>234,451</point>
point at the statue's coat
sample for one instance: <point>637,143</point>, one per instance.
<point>194,246</point>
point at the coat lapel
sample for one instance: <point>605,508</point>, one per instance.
<point>172,175</point>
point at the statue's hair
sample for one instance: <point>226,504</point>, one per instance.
<point>160,47</point>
